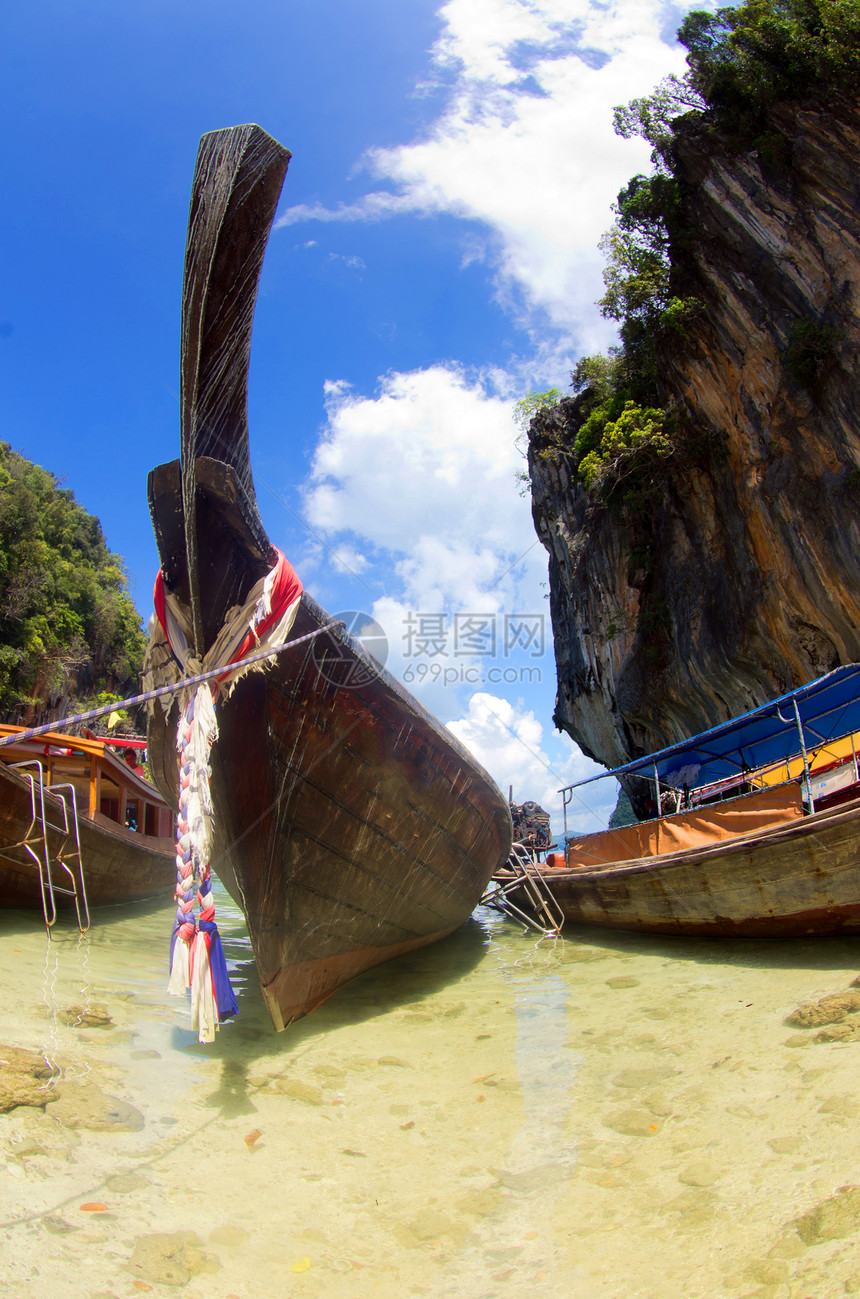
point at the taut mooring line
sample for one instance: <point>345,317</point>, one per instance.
<point>224,671</point>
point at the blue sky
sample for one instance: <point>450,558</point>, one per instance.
<point>434,257</point>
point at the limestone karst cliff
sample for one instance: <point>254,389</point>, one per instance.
<point>741,576</point>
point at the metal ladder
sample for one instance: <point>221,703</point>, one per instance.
<point>34,848</point>
<point>521,874</point>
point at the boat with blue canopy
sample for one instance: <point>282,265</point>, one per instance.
<point>809,719</point>
<point>754,827</point>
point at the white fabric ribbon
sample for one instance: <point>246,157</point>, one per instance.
<point>204,1012</point>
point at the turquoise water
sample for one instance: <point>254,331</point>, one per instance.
<point>605,1115</point>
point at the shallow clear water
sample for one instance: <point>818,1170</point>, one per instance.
<point>608,1115</point>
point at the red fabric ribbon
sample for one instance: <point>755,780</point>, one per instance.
<point>286,588</point>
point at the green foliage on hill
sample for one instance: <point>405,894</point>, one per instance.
<point>742,61</point>
<point>67,624</point>
<point>623,813</point>
<point>527,407</point>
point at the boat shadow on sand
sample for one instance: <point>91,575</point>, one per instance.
<point>242,1042</point>
<point>424,974</point>
<point>378,991</point>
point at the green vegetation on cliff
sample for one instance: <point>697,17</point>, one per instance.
<point>744,59</point>
<point>67,625</point>
<point>742,62</point>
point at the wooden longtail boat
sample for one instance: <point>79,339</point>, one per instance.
<point>348,824</point>
<point>124,828</point>
<point>764,838</point>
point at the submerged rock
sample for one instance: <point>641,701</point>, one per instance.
<point>702,1173</point>
<point>833,1219</point>
<point>124,1183</point>
<point>57,1225</point>
<point>24,1076</point>
<point>84,1105</point>
<point>633,1123</point>
<point>838,1033</point>
<point>86,1017</point>
<point>828,1010</point>
<point>297,1090</point>
<point>637,1078</point>
<point>169,1258</point>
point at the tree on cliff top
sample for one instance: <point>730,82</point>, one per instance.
<point>67,624</point>
<point>742,61</point>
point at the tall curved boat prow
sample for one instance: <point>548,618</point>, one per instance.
<point>347,823</point>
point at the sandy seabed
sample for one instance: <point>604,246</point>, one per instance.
<point>609,1115</point>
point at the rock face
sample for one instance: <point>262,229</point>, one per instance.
<point>741,578</point>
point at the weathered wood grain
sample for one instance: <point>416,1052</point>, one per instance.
<point>800,879</point>
<point>350,825</point>
<point>119,865</point>
<point>237,181</point>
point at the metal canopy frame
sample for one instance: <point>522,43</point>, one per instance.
<point>811,715</point>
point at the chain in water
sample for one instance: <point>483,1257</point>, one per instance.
<point>69,955</point>
<point>49,981</point>
<point>82,953</point>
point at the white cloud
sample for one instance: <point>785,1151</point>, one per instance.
<point>508,740</point>
<point>427,470</point>
<point>419,479</point>
<point>349,560</point>
<point>371,207</point>
<point>354,263</point>
<point>525,145</point>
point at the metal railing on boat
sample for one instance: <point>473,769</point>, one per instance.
<point>521,875</point>
<point>48,842</point>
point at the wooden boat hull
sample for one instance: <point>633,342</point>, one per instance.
<point>119,865</point>
<point>351,827</point>
<point>798,880</point>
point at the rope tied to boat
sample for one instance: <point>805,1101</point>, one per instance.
<point>196,888</point>
<point>175,687</point>
<point>197,960</point>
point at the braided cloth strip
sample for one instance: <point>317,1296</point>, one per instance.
<point>196,954</point>
<point>197,958</point>
<point>203,924</point>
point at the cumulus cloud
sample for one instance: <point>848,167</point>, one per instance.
<point>427,470</point>
<point>525,143</point>
<point>349,560</point>
<point>508,740</point>
<point>419,479</point>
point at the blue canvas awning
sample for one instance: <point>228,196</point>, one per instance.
<point>829,708</point>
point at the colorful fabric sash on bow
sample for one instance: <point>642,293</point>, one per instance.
<point>197,958</point>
